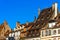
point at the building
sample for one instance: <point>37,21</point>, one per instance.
<point>52,29</point>
<point>16,32</point>
<point>32,31</point>
<point>4,30</point>
<point>45,27</point>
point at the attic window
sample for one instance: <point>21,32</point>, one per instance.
<point>58,31</point>
<point>48,16</point>
<point>44,24</point>
<point>51,25</point>
<point>42,18</point>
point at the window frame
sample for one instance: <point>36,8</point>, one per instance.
<point>54,33</point>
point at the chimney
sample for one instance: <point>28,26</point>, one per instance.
<point>55,9</point>
<point>34,18</point>
<point>38,11</point>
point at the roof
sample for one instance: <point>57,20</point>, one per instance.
<point>43,12</point>
<point>52,21</point>
<point>1,27</point>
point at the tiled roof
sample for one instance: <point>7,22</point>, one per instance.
<point>1,27</point>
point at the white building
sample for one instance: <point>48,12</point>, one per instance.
<point>52,32</point>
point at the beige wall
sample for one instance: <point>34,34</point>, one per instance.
<point>52,36</point>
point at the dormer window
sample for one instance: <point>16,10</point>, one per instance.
<point>22,27</point>
<point>48,16</point>
<point>52,23</point>
<point>42,18</point>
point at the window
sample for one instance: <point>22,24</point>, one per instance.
<point>43,24</point>
<point>42,18</point>
<point>49,32</point>
<point>48,16</point>
<point>37,26</point>
<point>51,24</point>
<point>24,35</point>
<point>12,34</point>
<point>29,35</point>
<point>37,34</point>
<point>18,33</point>
<point>54,32</point>
<point>58,31</point>
<point>33,34</point>
<point>42,33</point>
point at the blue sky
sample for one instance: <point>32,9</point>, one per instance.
<point>22,10</point>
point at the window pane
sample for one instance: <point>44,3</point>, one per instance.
<point>59,31</point>
<point>42,34</point>
<point>49,32</point>
<point>54,32</point>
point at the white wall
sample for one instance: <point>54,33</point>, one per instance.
<point>13,34</point>
<point>10,35</point>
<point>51,24</point>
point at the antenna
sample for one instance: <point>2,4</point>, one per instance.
<point>38,11</point>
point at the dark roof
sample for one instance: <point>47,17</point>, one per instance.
<point>52,21</point>
<point>43,11</point>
